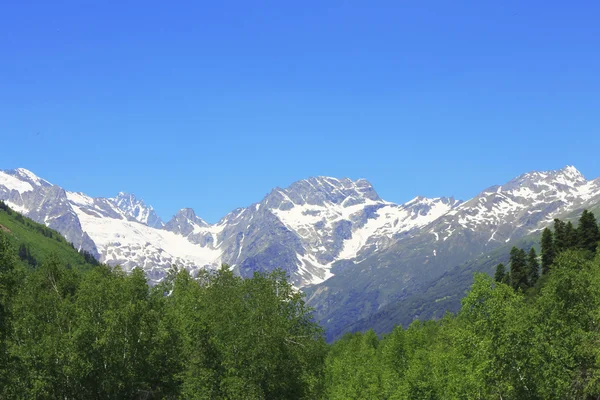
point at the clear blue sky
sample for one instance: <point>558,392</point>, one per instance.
<point>211,104</point>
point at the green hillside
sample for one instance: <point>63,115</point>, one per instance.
<point>35,242</point>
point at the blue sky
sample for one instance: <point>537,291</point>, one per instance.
<point>211,104</point>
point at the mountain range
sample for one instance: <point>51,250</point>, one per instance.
<point>353,253</point>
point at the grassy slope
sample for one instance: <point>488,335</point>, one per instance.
<point>40,239</point>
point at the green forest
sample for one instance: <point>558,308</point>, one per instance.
<point>71,328</point>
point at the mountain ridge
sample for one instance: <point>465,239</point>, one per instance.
<point>349,250</point>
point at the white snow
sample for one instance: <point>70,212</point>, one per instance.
<point>80,199</point>
<point>16,207</point>
<point>13,183</point>
<point>36,179</point>
<point>114,235</point>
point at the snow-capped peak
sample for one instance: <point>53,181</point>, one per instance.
<point>137,209</point>
<point>185,222</point>
<point>570,175</point>
<point>25,174</point>
<point>322,190</point>
<point>191,216</point>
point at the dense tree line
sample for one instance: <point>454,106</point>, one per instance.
<point>501,345</point>
<point>525,267</point>
<point>104,334</point>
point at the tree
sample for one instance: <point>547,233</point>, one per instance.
<point>493,338</point>
<point>42,333</point>
<point>560,237</point>
<point>8,289</point>
<point>533,267</point>
<point>548,252</point>
<point>506,279</point>
<point>500,273</point>
<point>394,360</point>
<point>565,322</point>
<point>354,370</point>
<point>588,234</point>
<point>25,255</point>
<point>518,269</point>
<point>570,235</point>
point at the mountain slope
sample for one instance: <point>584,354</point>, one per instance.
<point>303,229</point>
<point>352,252</point>
<point>39,240</point>
<point>498,215</point>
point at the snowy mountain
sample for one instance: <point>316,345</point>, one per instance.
<point>413,263</point>
<point>303,229</point>
<point>316,222</point>
<point>351,251</point>
<point>137,209</point>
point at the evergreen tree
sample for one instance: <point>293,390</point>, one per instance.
<point>506,279</point>
<point>548,252</point>
<point>560,237</point>
<point>518,269</point>
<point>500,273</point>
<point>23,252</point>
<point>570,235</point>
<point>588,234</point>
<point>533,267</point>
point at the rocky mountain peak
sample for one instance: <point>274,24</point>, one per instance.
<point>185,222</point>
<point>190,215</point>
<point>565,177</point>
<point>137,209</point>
<point>322,190</point>
<point>28,176</point>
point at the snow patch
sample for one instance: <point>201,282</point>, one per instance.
<point>13,183</point>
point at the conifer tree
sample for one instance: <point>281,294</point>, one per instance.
<point>500,273</point>
<point>560,238</point>
<point>570,235</point>
<point>548,252</point>
<point>506,279</point>
<point>588,234</point>
<point>533,267</point>
<point>23,252</point>
<point>518,269</point>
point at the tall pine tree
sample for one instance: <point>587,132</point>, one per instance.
<point>588,234</point>
<point>548,252</point>
<point>500,273</point>
<point>570,235</point>
<point>533,267</point>
<point>518,269</point>
<point>560,237</point>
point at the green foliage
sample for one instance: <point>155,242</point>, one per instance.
<point>500,345</point>
<point>500,273</point>
<point>98,333</point>
<point>570,235</point>
<point>588,234</point>
<point>548,251</point>
<point>518,269</point>
<point>352,368</point>
<point>104,334</point>
<point>560,236</point>
<point>533,267</point>
<point>35,242</point>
